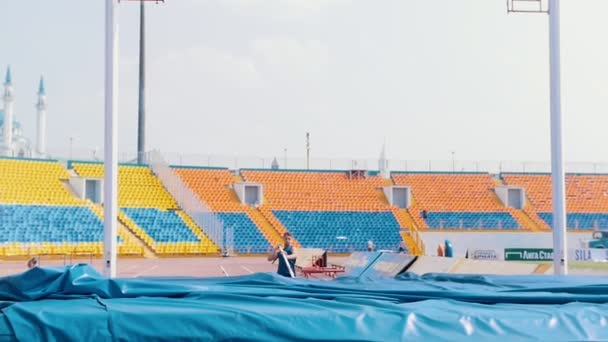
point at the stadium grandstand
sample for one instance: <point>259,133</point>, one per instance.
<point>52,207</point>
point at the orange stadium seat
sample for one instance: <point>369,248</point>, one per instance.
<point>457,193</point>
<point>212,186</point>
<point>325,191</point>
<point>586,197</point>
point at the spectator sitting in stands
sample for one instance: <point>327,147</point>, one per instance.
<point>424,214</point>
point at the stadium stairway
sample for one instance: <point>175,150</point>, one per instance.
<point>411,215</point>
<point>208,245</point>
<point>414,212</point>
<point>134,245</point>
<point>127,235</point>
<point>381,196</point>
<point>415,247</point>
<point>539,223</point>
<point>409,231</point>
<point>527,217</point>
<point>68,186</point>
<point>137,231</point>
<point>380,192</point>
<point>265,227</point>
<point>524,220</point>
<point>276,224</point>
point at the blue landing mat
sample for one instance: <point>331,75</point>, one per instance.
<point>77,304</point>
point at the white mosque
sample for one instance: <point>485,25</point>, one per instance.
<point>12,141</point>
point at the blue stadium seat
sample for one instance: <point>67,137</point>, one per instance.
<point>43,223</point>
<point>580,220</point>
<point>342,231</point>
<point>471,220</point>
<point>161,225</point>
<point>247,237</point>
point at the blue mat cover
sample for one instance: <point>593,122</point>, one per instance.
<point>76,303</point>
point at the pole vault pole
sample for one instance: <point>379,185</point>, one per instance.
<point>286,261</point>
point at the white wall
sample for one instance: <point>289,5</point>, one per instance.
<point>241,188</point>
<point>77,184</point>
<point>462,241</point>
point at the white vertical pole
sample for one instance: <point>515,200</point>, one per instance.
<point>560,262</point>
<point>110,142</point>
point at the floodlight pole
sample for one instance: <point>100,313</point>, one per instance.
<point>141,114</point>
<point>110,211</point>
<point>560,255</point>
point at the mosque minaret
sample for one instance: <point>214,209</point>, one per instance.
<point>41,126</point>
<point>13,143</point>
<point>7,125</point>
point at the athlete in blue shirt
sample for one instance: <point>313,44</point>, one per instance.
<point>290,254</point>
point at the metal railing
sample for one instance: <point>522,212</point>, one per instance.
<point>194,206</point>
<point>291,163</point>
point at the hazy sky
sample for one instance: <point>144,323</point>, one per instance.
<point>250,77</point>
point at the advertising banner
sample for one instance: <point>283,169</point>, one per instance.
<point>483,254</point>
<point>546,254</point>
<point>588,254</point>
<point>528,254</point>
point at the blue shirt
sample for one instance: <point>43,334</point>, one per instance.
<point>283,270</point>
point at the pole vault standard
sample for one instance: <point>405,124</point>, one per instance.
<point>110,195</point>
<point>560,246</point>
<point>110,206</point>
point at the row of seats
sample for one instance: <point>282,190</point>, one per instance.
<point>34,182</point>
<point>44,223</point>
<point>342,231</point>
<point>137,185</point>
<point>452,192</point>
<point>584,193</point>
<point>184,248</point>
<point>580,220</point>
<point>78,229</point>
<point>247,238</point>
<point>213,186</point>
<point>295,190</point>
<point>68,249</point>
<point>162,225</point>
<point>471,220</point>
